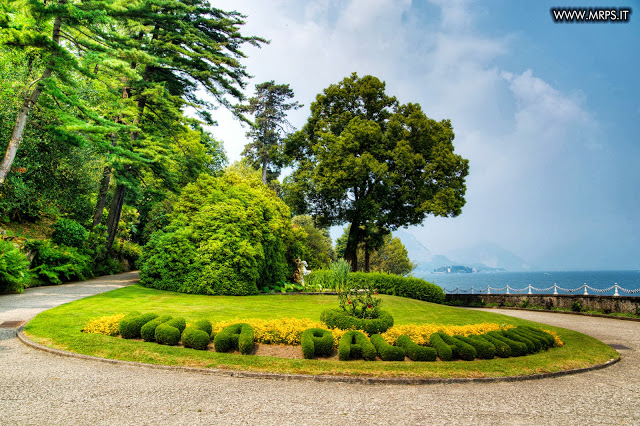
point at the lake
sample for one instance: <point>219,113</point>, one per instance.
<point>569,280</point>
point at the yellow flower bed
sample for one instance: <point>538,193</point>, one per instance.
<point>421,333</point>
<point>558,342</point>
<point>104,325</point>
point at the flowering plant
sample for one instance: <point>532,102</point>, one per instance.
<point>358,301</point>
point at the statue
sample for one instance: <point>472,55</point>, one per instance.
<point>301,271</point>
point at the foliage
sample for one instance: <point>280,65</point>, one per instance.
<point>445,351</point>
<point>107,325</point>
<point>269,107</point>
<point>236,336</point>
<point>340,271</point>
<point>357,300</point>
<point>178,323</point>
<point>283,287</point>
<point>167,335</point>
<point>460,349</point>
<point>204,325</point>
<point>317,251</point>
<point>484,349</point>
<point>422,333</point>
<point>355,345</point>
<point>414,351</point>
<point>195,338</point>
<point>335,318</point>
<point>131,325</point>
<point>366,160</point>
<point>386,351</point>
<point>413,288</point>
<point>52,264</point>
<point>68,232</point>
<point>148,331</point>
<point>14,268</point>
<point>316,342</point>
<point>228,235</point>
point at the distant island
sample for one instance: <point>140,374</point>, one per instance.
<point>459,269</point>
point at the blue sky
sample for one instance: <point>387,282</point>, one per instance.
<point>547,114</point>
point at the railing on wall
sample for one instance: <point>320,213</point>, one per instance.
<point>530,290</point>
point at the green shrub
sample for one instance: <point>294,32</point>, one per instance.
<point>542,335</point>
<point>410,287</point>
<point>502,349</point>
<point>148,331</point>
<point>178,323</point>
<point>236,336</point>
<point>537,344</point>
<point>462,350</point>
<point>414,351</point>
<point>531,348</point>
<point>517,348</point>
<point>167,335</point>
<point>195,338</point>
<point>204,325</point>
<point>14,268</point>
<point>386,351</point>
<point>227,234</point>
<point>354,345</point>
<point>69,233</point>
<point>336,318</point>
<point>127,250</point>
<point>130,326</point>
<point>57,264</point>
<point>484,349</point>
<point>316,342</point>
<point>445,352</point>
<point>576,306</point>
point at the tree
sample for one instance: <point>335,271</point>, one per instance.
<point>366,160</point>
<point>318,251</point>
<point>269,107</point>
<point>391,257</point>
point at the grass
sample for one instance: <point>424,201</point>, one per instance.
<point>60,328</point>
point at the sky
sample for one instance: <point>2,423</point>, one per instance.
<point>548,114</point>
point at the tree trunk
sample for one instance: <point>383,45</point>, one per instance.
<point>351,251</point>
<point>367,255</point>
<point>264,171</point>
<point>114,214</point>
<point>27,106</point>
<point>102,196</point>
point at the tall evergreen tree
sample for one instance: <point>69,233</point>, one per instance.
<point>269,107</point>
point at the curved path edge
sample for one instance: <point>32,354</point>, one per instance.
<point>320,378</point>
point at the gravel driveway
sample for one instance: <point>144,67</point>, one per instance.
<point>40,388</point>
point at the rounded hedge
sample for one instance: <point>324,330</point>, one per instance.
<point>484,349</point>
<point>386,351</point>
<point>131,325</point>
<point>195,338</point>
<point>354,344</point>
<point>167,335</point>
<point>414,351</point>
<point>517,348</point>
<point>148,331</point>
<point>178,323</point>
<point>204,325</point>
<point>444,351</point>
<point>337,318</point>
<point>502,349</point>
<point>316,342</point>
<point>226,235</point>
<point>69,233</point>
<point>236,336</point>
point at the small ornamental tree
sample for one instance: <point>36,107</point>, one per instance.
<point>227,235</point>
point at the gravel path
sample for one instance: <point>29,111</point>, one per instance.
<point>40,388</point>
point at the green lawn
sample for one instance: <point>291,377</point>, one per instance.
<point>60,327</point>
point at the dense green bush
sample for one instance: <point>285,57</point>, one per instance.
<point>502,349</point>
<point>316,342</point>
<point>531,348</point>
<point>178,323</point>
<point>236,336</point>
<point>542,335</point>
<point>462,350</point>
<point>195,338</point>
<point>484,349</point>
<point>414,351</point>
<point>386,351</point>
<point>517,348</point>
<point>148,331</point>
<point>228,235</point>
<point>69,233</point>
<point>445,352</point>
<point>167,335</point>
<point>204,325</point>
<point>57,264</point>
<point>131,325</point>
<point>354,345</point>
<point>337,318</point>
<point>14,268</point>
<point>410,287</point>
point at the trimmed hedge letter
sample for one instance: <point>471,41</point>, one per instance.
<point>354,344</point>
<point>316,342</point>
<point>236,336</point>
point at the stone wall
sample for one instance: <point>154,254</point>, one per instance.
<point>606,304</point>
